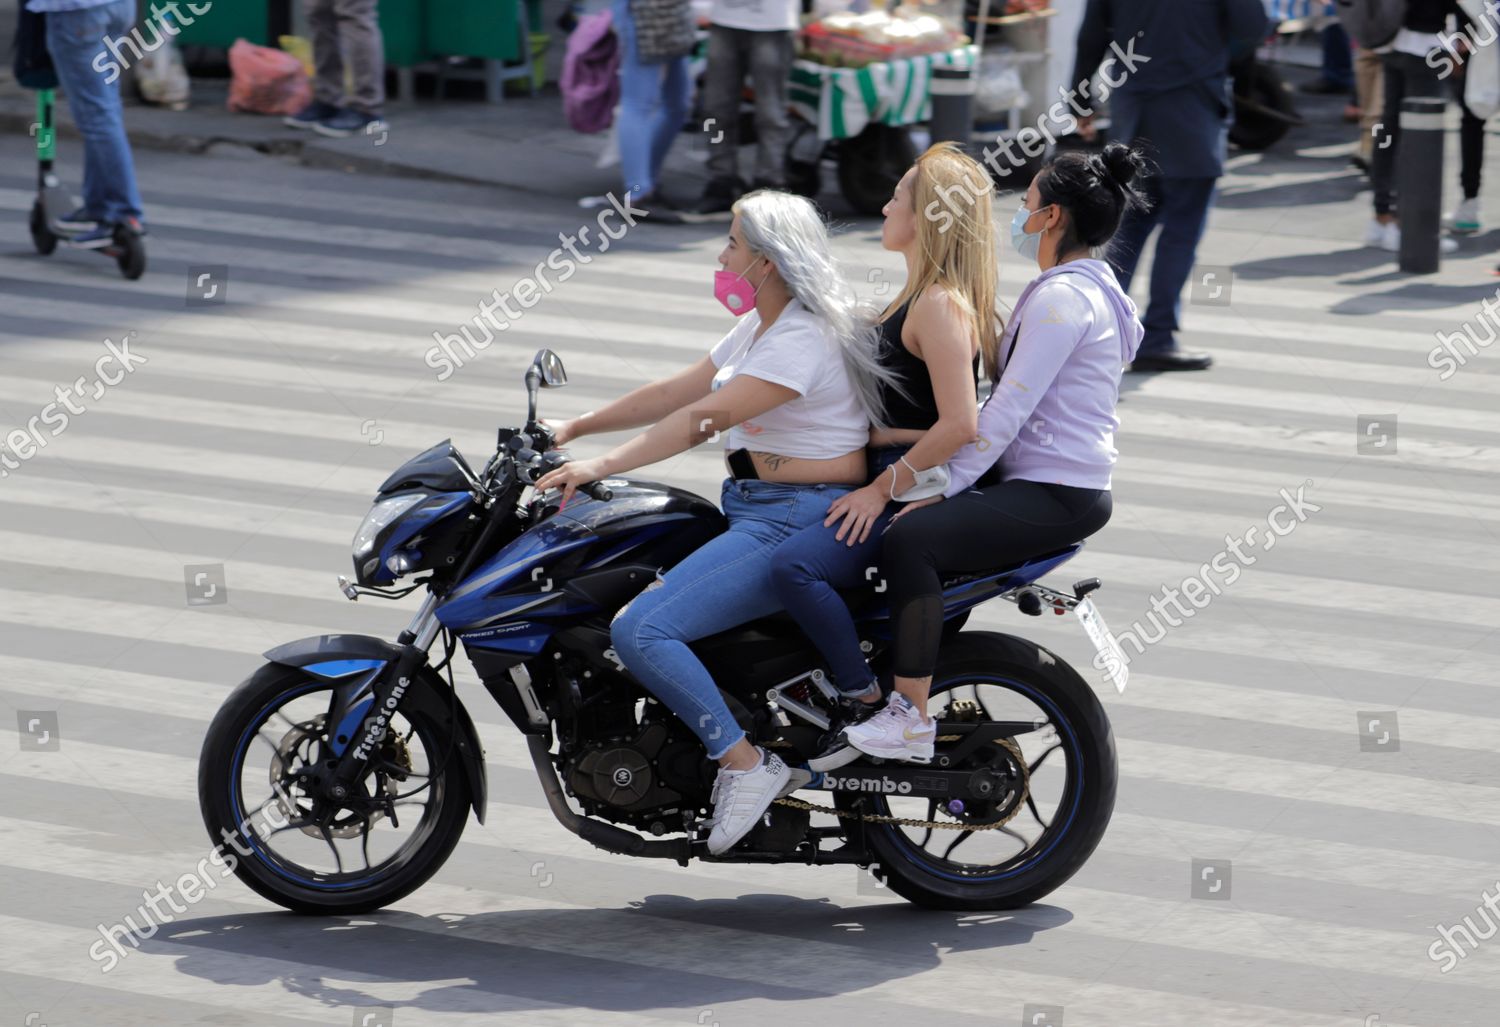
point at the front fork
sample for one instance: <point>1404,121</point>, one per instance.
<point>384,697</point>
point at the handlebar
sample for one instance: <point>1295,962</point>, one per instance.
<point>531,452</point>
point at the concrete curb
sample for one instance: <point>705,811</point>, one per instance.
<point>308,153</point>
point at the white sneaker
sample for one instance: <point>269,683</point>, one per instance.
<point>743,796</point>
<point>1465,217</point>
<point>1380,235</point>
<point>796,778</point>
<point>895,733</point>
<point>1390,238</point>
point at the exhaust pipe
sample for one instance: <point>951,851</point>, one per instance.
<point>596,832</point>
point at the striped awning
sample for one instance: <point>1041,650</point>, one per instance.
<point>1288,10</point>
<point>842,101</point>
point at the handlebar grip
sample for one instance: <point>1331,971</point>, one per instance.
<point>597,490</point>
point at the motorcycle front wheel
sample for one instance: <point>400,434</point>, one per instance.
<point>397,826</point>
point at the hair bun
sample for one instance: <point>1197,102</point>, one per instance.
<point>1122,164</point>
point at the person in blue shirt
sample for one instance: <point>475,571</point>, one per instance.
<point>1175,102</point>
<point>76,31</point>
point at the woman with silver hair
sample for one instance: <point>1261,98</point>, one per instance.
<point>794,386</point>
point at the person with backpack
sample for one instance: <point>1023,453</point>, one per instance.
<point>76,31</point>
<point>1406,34</point>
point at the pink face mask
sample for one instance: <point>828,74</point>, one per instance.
<point>735,291</point>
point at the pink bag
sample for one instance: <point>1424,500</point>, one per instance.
<point>266,81</point>
<point>591,74</point>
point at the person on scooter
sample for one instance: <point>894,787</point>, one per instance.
<point>940,218</point>
<point>795,386</point>
<point>1049,421</point>
<point>76,33</point>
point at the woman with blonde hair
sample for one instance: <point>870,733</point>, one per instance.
<point>797,378</point>
<point>1048,426</point>
<point>934,334</point>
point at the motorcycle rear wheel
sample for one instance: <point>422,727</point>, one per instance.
<point>1085,789</point>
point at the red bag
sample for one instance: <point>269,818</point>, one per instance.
<point>266,81</point>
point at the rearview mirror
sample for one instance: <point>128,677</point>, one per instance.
<point>550,366</point>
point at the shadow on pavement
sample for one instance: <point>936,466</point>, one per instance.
<point>595,958</point>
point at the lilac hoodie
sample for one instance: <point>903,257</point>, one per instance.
<point>1051,418</point>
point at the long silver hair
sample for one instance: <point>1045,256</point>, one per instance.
<point>786,228</point>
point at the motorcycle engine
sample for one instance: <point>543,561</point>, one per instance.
<point>638,780</point>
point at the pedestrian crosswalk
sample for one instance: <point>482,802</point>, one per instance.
<point>257,431</point>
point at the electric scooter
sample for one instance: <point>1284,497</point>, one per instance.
<point>128,247</point>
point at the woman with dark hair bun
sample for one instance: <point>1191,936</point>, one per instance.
<point>1049,423</point>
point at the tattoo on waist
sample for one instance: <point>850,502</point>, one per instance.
<point>773,460</point>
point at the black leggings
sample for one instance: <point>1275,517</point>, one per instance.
<point>975,531</point>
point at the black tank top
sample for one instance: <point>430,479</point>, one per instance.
<point>920,410</point>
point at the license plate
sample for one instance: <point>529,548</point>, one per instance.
<point>1111,658</point>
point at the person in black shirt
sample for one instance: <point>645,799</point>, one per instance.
<point>934,334</point>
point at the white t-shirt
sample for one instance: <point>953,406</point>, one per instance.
<point>1418,44</point>
<point>798,351</point>
<point>757,15</point>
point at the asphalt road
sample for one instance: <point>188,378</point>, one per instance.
<point>1314,747</point>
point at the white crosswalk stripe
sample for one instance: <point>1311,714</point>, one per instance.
<point>245,440</point>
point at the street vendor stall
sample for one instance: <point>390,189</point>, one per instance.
<point>858,82</point>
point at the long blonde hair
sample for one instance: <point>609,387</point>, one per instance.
<point>953,200</point>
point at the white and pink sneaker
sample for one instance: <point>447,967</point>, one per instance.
<point>898,732</point>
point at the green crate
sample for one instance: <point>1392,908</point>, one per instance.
<point>403,27</point>
<point>225,22</point>
<point>478,28</point>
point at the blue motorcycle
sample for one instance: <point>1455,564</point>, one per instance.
<point>339,776</point>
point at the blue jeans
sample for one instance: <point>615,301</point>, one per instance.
<point>725,583</point>
<point>654,102</point>
<point>1180,206</point>
<point>75,39</point>
<point>1338,61</point>
<point>813,564</point>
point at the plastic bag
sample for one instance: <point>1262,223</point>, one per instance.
<point>999,87</point>
<point>266,81</point>
<point>161,78</point>
<point>1482,68</point>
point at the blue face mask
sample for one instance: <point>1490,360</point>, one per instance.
<point>1024,243</point>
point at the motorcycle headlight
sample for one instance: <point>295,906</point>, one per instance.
<point>381,515</point>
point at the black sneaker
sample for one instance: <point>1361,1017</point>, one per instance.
<point>1172,360</point>
<point>310,115</point>
<point>658,207</point>
<point>348,122</point>
<point>78,221</point>
<point>834,750</point>
<point>718,198</point>
<point>96,238</point>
